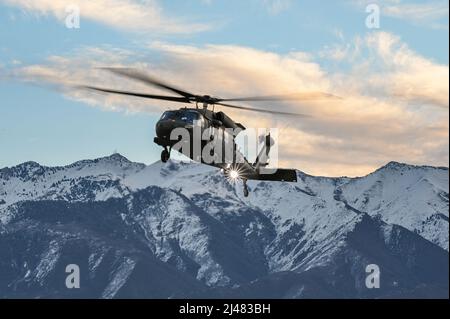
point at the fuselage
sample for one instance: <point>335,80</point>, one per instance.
<point>205,136</point>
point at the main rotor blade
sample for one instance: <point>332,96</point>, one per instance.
<point>292,97</point>
<point>137,75</point>
<point>148,96</point>
<point>262,110</point>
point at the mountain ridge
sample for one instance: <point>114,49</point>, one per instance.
<point>117,157</point>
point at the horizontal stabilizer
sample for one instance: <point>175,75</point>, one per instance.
<point>281,175</point>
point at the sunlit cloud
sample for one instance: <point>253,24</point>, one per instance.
<point>394,102</point>
<point>391,68</point>
<point>130,15</point>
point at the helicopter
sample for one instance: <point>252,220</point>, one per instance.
<point>216,125</point>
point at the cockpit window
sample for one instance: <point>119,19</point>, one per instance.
<point>185,116</point>
<point>168,115</point>
<point>189,116</point>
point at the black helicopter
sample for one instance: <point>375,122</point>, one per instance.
<point>236,166</point>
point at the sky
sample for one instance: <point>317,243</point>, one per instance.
<point>390,72</point>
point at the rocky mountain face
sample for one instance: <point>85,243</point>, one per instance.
<point>180,230</point>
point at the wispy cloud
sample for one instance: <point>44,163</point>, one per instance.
<point>418,11</point>
<point>131,15</point>
<point>432,14</point>
<point>394,106</point>
<point>276,6</point>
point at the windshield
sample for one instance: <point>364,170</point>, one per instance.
<point>182,115</point>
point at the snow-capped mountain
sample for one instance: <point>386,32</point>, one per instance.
<point>182,230</point>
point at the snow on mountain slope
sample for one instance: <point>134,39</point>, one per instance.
<point>114,260</point>
<point>185,236</point>
<point>32,181</point>
<point>188,216</point>
<point>415,197</point>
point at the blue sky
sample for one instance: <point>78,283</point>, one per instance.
<point>40,123</point>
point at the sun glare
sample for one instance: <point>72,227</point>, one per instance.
<point>234,174</point>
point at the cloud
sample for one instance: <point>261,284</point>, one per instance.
<point>130,15</point>
<point>433,14</point>
<point>418,11</point>
<point>276,6</point>
<point>394,102</point>
<point>392,69</point>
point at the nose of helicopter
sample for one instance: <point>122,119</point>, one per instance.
<point>164,128</point>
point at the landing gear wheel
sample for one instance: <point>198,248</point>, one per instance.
<point>165,155</point>
<point>245,189</point>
